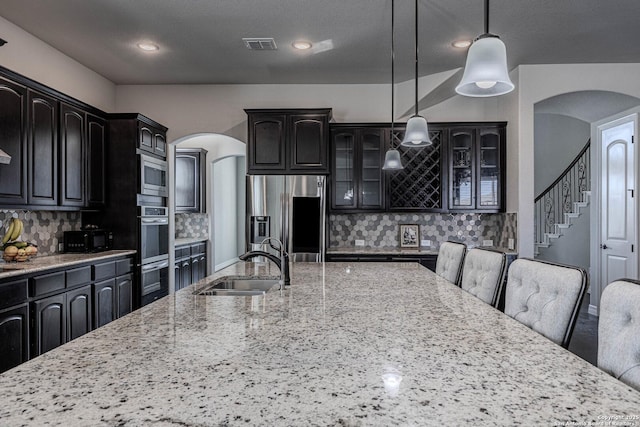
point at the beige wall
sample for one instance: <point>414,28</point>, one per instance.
<point>31,57</point>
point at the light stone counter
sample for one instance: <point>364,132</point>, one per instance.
<point>315,355</point>
<point>42,263</point>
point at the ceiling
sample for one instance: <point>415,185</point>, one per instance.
<point>201,40</point>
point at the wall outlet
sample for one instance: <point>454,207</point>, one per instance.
<point>487,243</point>
<point>60,247</point>
<point>359,242</point>
<point>425,243</point>
<point>511,244</point>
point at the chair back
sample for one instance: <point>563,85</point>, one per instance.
<point>483,274</point>
<point>450,260</point>
<point>545,296</point>
<point>619,331</point>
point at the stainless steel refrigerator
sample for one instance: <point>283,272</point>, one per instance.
<point>290,208</point>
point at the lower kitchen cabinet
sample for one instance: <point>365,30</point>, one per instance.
<point>427,260</point>
<point>41,311</point>
<point>79,309</point>
<point>190,265</point>
<point>104,299</point>
<point>14,336</point>
<point>49,324</point>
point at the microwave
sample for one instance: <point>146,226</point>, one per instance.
<point>153,176</point>
<point>87,240</point>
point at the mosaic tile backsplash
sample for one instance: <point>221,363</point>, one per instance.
<point>383,229</point>
<point>44,228</point>
<point>192,225</point>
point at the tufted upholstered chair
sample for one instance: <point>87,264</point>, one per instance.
<point>545,296</point>
<point>618,331</point>
<point>483,274</point>
<point>450,260</point>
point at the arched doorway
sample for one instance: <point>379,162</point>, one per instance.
<point>225,163</point>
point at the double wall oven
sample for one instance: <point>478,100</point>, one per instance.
<point>154,252</point>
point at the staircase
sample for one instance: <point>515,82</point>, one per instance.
<point>563,200</point>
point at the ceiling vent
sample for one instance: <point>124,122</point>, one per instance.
<point>260,43</point>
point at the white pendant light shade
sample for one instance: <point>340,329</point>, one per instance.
<point>4,157</point>
<point>417,133</point>
<point>392,160</point>
<point>486,73</point>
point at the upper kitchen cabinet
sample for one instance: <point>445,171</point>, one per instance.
<point>97,132</point>
<point>72,154</point>
<point>152,139</point>
<point>43,150</point>
<point>13,141</point>
<point>421,185</point>
<point>56,144</point>
<point>288,141</point>
<point>477,167</point>
<point>357,156</point>
<point>190,180</point>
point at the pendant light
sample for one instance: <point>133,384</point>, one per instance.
<point>392,157</point>
<point>486,73</point>
<point>417,132</point>
<point>4,157</point>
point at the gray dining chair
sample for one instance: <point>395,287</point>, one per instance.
<point>545,296</point>
<point>618,331</point>
<point>450,261</point>
<point>483,274</point>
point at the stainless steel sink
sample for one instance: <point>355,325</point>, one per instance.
<point>240,287</point>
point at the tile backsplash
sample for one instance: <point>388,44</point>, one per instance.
<point>383,229</point>
<point>44,228</point>
<point>192,225</point>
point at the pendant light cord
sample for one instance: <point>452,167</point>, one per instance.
<point>416,104</point>
<point>486,16</point>
<point>392,68</point>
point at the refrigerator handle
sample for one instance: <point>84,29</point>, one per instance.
<point>284,226</point>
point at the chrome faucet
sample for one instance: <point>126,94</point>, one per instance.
<point>282,261</point>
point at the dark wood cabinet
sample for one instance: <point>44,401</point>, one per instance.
<point>288,141</point>
<point>477,168</point>
<point>57,147</point>
<point>463,170</point>
<point>124,295</point>
<point>14,336</point>
<point>190,173</point>
<point>357,156</point>
<point>190,265</point>
<point>104,300</point>
<point>96,196</point>
<point>13,141</point>
<point>152,139</point>
<point>79,312</point>
<point>42,150</point>
<point>72,155</point>
<point>49,324</point>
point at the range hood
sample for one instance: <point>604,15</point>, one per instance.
<point>4,157</point>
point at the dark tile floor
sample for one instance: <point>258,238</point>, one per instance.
<point>584,341</point>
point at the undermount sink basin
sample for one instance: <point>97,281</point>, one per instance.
<point>240,287</point>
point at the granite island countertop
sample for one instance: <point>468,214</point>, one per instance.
<point>387,250</point>
<point>352,345</point>
<point>43,263</point>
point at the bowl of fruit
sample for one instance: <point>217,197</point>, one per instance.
<point>14,249</point>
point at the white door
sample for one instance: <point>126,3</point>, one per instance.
<point>618,244</point>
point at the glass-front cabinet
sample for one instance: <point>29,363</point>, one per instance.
<point>357,176</point>
<point>476,168</point>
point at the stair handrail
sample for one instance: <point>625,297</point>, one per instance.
<point>566,171</point>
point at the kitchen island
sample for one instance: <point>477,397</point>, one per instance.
<point>363,344</point>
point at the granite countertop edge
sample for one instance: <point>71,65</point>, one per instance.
<point>49,262</point>
<point>371,250</point>
<point>180,241</point>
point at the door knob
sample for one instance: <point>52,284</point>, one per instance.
<point>604,247</point>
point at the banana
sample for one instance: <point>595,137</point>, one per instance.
<point>7,235</point>
<point>17,229</point>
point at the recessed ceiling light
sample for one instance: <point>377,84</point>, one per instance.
<point>302,44</point>
<point>148,47</point>
<point>461,44</point>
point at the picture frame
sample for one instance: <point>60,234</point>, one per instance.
<point>409,236</point>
